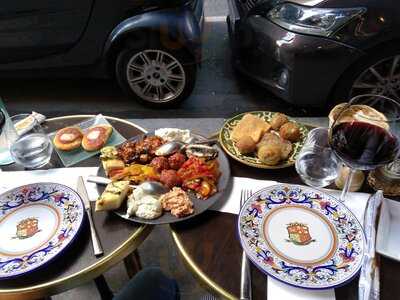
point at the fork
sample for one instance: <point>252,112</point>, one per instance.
<point>245,275</point>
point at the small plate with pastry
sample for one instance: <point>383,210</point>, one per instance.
<point>81,141</point>
<point>263,139</point>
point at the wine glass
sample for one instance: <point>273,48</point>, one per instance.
<point>365,134</point>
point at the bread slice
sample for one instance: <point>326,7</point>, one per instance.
<point>113,196</point>
<point>68,138</point>
<point>252,126</point>
<point>112,164</point>
<point>96,137</point>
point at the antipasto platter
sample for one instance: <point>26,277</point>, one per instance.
<point>194,175</point>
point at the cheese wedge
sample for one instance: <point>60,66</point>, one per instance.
<point>113,196</point>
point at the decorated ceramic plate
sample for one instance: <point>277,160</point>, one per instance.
<point>37,222</point>
<point>301,236</point>
<point>251,160</point>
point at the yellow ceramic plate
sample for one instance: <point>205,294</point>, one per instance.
<point>252,160</point>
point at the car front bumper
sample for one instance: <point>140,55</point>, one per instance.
<point>300,69</point>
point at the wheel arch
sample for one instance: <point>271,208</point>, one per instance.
<point>384,47</point>
<point>167,28</point>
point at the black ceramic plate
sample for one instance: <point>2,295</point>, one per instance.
<point>199,205</point>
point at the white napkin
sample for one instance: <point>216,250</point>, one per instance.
<point>66,176</point>
<point>232,200</point>
<point>356,202</point>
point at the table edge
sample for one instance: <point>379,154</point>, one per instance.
<point>92,271</point>
<point>84,275</point>
<point>195,269</point>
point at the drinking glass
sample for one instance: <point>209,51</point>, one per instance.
<point>316,164</point>
<point>365,134</point>
<point>32,147</point>
<point>7,134</point>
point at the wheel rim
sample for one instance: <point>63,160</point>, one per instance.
<point>155,76</point>
<point>382,78</point>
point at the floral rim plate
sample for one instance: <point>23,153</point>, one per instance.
<point>230,148</point>
<point>301,236</point>
<point>37,222</point>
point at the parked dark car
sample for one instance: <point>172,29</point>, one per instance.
<point>151,46</point>
<point>318,52</point>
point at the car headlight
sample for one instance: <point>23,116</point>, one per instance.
<point>312,20</point>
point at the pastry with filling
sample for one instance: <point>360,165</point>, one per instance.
<point>113,196</point>
<point>286,149</point>
<point>68,138</point>
<point>290,131</point>
<point>270,154</point>
<point>250,125</point>
<point>269,138</point>
<point>246,145</point>
<point>111,162</point>
<point>96,137</point>
<point>278,120</point>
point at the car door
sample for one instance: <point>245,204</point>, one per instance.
<point>31,29</point>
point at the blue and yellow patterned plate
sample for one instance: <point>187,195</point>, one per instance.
<point>37,222</point>
<point>301,236</point>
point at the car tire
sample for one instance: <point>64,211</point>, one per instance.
<point>156,76</point>
<point>357,76</point>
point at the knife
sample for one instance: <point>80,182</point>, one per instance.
<point>97,249</point>
<point>245,279</point>
<point>369,276</point>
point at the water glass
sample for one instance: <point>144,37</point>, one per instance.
<point>7,136</point>
<point>32,148</point>
<point>316,163</point>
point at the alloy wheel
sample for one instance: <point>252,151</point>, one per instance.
<point>156,76</point>
<point>382,78</point>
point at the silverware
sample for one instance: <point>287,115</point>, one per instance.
<point>97,249</point>
<point>368,288</point>
<point>175,146</point>
<point>149,187</point>
<point>245,275</point>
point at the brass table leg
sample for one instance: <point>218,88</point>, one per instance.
<point>132,263</point>
<point>103,288</point>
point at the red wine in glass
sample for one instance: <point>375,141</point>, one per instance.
<point>363,146</point>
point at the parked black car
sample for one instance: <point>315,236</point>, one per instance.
<point>318,52</point>
<point>151,46</point>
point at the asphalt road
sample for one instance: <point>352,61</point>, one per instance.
<point>219,91</point>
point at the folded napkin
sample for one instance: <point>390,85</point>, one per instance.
<point>356,202</point>
<point>66,176</point>
<point>232,200</point>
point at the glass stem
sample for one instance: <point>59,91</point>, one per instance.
<point>347,185</point>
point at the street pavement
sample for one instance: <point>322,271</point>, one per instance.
<point>219,91</point>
